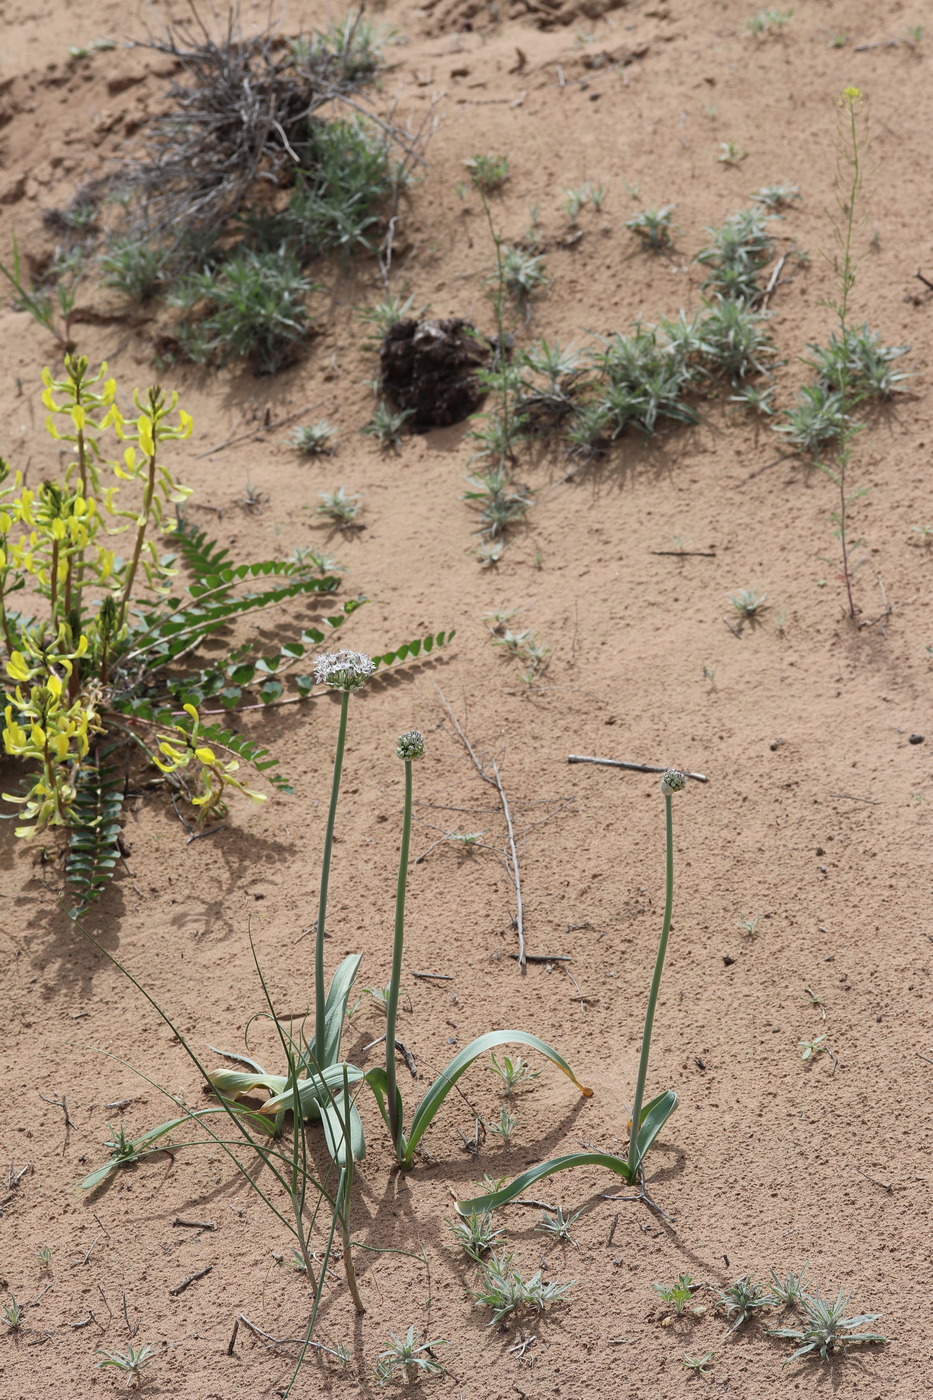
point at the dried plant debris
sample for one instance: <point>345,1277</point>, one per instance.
<point>429,369</point>
<point>240,114</point>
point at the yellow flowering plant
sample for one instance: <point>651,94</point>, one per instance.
<point>95,626</point>
<point>98,630</point>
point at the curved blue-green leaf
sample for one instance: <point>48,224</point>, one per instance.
<point>378,1081</point>
<point>445,1081</point>
<point>654,1115</point>
<point>317,1088</point>
<point>493,1199</point>
<point>139,1147</point>
<point>335,1007</point>
<point>333,1120</point>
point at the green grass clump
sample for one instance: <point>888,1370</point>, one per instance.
<point>488,173</point>
<point>653,227</point>
<point>740,249</point>
<point>136,268</point>
<point>255,310</point>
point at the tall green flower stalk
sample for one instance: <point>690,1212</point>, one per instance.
<point>672,781</point>
<point>409,748</point>
<point>345,671</point>
<point>848,198</point>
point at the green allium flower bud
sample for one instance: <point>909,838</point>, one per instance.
<point>673,781</point>
<point>410,745</point>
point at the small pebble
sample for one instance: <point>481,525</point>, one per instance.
<point>915,739</point>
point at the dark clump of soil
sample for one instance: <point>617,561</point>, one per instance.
<point>429,368</point>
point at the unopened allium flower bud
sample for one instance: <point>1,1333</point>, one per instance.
<point>673,781</point>
<point>410,745</point>
<point>344,670</point>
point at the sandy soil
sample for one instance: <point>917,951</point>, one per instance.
<point>813,817</point>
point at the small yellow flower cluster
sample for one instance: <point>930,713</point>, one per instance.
<point>47,725</point>
<point>213,776</point>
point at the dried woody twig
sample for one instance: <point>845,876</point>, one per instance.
<point>242,106</point>
<point>490,773</point>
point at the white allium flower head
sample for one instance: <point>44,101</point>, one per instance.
<point>673,781</point>
<point>410,745</point>
<point>344,670</point>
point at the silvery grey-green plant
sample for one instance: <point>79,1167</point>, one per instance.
<point>741,1300</point>
<point>504,1127</point>
<point>824,1331</point>
<point>558,1225</point>
<point>340,506</point>
<point>476,1234</point>
<point>314,439</point>
<point>507,1292</point>
<point>653,227</point>
<point>787,1292</point>
<point>409,1358</point>
<point>514,1073</point>
<point>488,172</point>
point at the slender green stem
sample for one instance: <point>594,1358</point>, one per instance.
<point>344,1194</point>
<point>319,1026</point>
<point>395,1127</point>
<point>847,276</point>
<point>653,994</point>
<point>140,532</point>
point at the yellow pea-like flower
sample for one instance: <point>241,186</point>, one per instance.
<point>144,429</point>
<point>16,667</point>
<point>37,736</point>
<point>205,755</point>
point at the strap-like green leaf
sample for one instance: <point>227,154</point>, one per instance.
<point>653,1117</point>
<point>335,1007</point>
<point>334,1113</point>
<point>442,1086</point>
<point>493,1199</point>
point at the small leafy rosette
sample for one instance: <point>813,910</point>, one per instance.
<point>343,670</point>
<point>410,745</point>
<point>673,781</point>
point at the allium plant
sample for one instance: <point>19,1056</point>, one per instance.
<point>647,1118</point>
<point>318,1084</point>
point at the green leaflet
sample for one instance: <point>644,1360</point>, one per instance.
<point>409,650</point>
<point>202,556</point>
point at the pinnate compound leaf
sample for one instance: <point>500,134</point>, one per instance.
<point>93,841</point>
